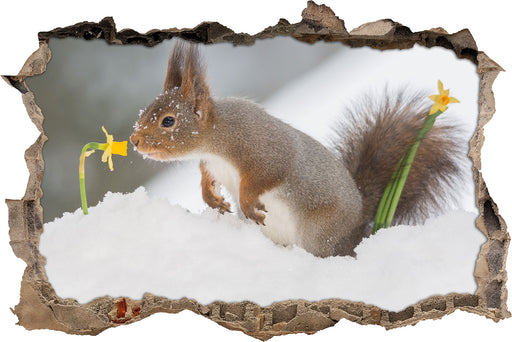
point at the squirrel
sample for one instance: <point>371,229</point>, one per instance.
<point>301,192</point>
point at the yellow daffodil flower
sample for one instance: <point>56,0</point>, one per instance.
<point>441,100</point>
<point>389,200</point>
<point>110,147</point>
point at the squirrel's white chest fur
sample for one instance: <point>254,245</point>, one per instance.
<point>280,224</point>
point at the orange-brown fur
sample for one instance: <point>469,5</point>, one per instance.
<point>210,197</point>
<point>305,194</point>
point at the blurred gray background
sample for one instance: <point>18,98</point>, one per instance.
<point>88,84</point>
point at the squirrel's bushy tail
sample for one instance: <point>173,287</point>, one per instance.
<point>372,142</point>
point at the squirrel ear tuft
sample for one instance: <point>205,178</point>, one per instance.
<point>175,66</point>
<point>194,87</point>
<point>186,72</point>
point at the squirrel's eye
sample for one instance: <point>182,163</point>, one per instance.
<point>168,121</point>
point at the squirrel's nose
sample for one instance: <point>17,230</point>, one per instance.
<point>134,140</point>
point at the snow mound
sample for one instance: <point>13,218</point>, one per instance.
<point>130,244</point>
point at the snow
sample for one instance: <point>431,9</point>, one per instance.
<point>162,239</point>
<point>130,244</point>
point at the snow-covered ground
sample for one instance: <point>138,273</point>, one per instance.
<point>131,244</point>
<point>162,239</point>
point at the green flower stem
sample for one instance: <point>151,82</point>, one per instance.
<point>81,171</point>
<point>389,201</point>
<point>385,201</point>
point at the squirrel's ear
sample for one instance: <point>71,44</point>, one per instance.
<point>175,66</point>
<point>194,87</point>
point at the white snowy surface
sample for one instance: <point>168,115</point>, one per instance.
<point>130,244</point>
<point>165,240</point>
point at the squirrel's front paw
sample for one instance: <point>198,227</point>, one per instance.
<point>250,212</point>
<point>259,218</point>
<point>217,202</point>
<point>221,205</point>
<point>224,207</point>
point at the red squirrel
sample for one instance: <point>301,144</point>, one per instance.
<point>300,192</point>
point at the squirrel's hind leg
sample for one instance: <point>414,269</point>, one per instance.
<point>325,232</point>
<point>211,198</point>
